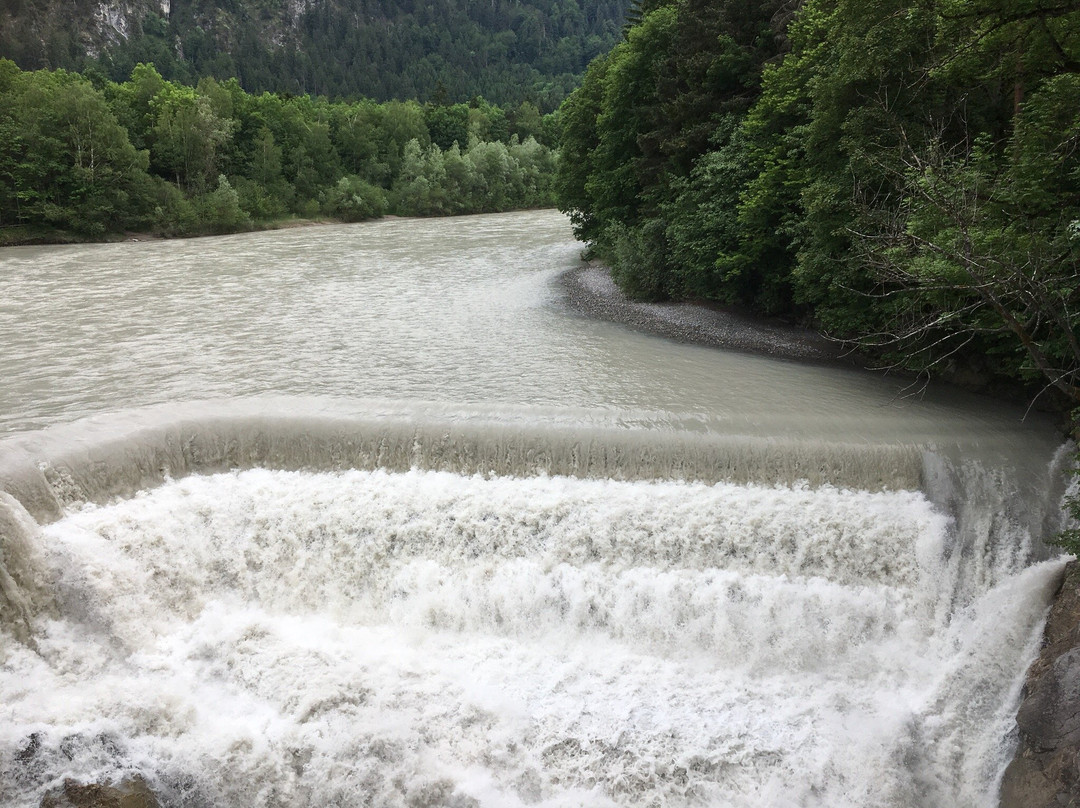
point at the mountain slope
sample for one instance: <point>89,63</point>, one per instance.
<point>504,50</point>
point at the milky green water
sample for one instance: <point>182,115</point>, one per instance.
<point>463,310</point>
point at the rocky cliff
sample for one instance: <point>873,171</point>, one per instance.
<point>1046,769</point>
<point>56,31</point>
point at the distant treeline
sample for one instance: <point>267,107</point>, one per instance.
<point>443,50</point>
<point>903,175</point>
<point>82,159</point>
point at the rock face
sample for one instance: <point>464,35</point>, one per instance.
<point>1046,769</point>
<point>132,793</point>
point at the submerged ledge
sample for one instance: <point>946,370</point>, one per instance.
<point>116,454</point>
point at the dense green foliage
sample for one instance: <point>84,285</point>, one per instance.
<point>906,176</point>
<point>150,154</point>
<point>506,50</point>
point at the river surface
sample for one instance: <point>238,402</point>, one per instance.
<point>408,531</point>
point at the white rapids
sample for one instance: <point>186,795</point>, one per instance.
<point>425,638</point>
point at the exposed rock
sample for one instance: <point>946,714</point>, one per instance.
<point>133,793</point>
<point>1046,769</point>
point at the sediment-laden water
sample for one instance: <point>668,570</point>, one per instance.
<point>430,539</point>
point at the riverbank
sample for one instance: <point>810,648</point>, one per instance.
<point>590,291</point>
<point>19,236</point>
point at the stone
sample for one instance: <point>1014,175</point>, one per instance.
<point>132,793</point>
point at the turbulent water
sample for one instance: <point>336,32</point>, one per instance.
<point>432,540</point>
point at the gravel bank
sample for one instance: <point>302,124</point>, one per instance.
<point>591,291</point>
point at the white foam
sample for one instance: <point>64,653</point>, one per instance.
<point>424,638</point>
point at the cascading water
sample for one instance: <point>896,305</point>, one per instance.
<point>308,602</point>
<point>431,638</point>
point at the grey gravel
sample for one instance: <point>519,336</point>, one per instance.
<point>590,291</point>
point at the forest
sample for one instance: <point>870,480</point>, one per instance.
<point>507,51</point>
<point>903,176</point>
<point>86,159</point>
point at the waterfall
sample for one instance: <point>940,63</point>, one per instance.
<point>249,607</point>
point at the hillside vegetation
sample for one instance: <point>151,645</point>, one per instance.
<point>80,160</point>
<point>507,51</point>
<point>903,175</point>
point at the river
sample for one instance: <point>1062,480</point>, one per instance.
<point>366,515</point>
